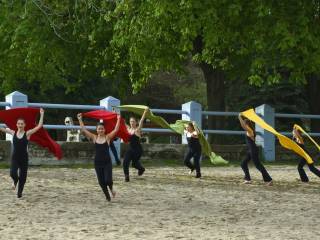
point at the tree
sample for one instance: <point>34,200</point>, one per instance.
<point>288,46</point>
<point>56,48</point>
<point>163,35</point>
<point>264,42</point>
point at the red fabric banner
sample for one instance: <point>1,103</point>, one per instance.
<point>109,122</point>
<point>30,115</point>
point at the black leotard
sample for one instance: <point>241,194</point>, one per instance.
<point>135,144</point>
<point>133,154</point>
<point>253,154</point>
<point>102,156</point>
<point>193,152</point>
<point>20,149</point>
<point>103,167</point>
<point>19,162</point>
<point>194,144</point>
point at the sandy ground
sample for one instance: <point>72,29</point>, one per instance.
<point>166,203</point>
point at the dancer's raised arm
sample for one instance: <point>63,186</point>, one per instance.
<point>113,133</point>
<point>87,133</point>
<point>7,130</point>
<point>40,124</point>
<point>297,135</point>
<point>244,124</point>
<point>143,118</point>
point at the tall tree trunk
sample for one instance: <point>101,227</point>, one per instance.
<point>313,87</point>
<point>215,79</point>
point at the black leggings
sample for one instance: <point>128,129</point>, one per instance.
<point>104,175</point>
<point>20,178</point>
<point>302,173</point>
<point>196,160</point>
<point>135,156</point>
<point>244,165</point>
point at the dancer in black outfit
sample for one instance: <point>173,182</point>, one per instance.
<point>297,137</point>
<point>252,154</point>
<point>194,149</point>
<point>135,149</point>
<point>102,160</point>
<point>20,158</point>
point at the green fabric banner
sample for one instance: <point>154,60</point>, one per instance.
<point>177,127</point>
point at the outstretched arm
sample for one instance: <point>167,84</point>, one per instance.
<point>298,136</point>
<point>88,134</point>
<point>112,134</point>
<point>40,124</point>
<point>245,126</point>
<point>7,130</point>
<point>143,118</point>
<point>242,123</point>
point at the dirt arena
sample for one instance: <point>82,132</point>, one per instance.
<point>166,203</point>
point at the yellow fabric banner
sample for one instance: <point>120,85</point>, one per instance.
<point>296,126</point>
<point>284,141</point>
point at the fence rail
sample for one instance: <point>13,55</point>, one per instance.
<point>189,111</point>
<point>215,113</point>
<point>301,116</point>
<point>66,106</point>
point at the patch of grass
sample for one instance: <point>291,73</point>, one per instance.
<point>4,165</point>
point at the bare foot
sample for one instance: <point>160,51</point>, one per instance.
<point>247,182</point>
<point>13,186</point>
<point>113,194</point>
<point>269,183</point>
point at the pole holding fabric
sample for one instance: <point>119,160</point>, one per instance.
<point>110,104</point>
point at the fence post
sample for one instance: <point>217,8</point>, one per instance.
<point>109,103</point>
<point>265,138</point>
<point>16,99</point>
<point>194,113</point>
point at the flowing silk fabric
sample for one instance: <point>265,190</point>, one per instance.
<point>177,127</point>
<point>30,115</point>
<point>109,122</point>
<point>284,141</point>
<point>296,126</point>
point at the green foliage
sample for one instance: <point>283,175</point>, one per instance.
<point>81,51</point>
<point>262,41</point>
<point>56,45</point>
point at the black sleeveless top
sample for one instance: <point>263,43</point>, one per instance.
<point>135,143</point>
<point>20,148</point>
<point>102,156</point>
<point>194,144</point>
<point>251,144</point>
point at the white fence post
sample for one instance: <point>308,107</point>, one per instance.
<point>16,99</point>
<point>109,103</point>
<point>194,113</point>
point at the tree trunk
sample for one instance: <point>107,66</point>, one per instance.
<point>313,88</point>
<point>215,79</point>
